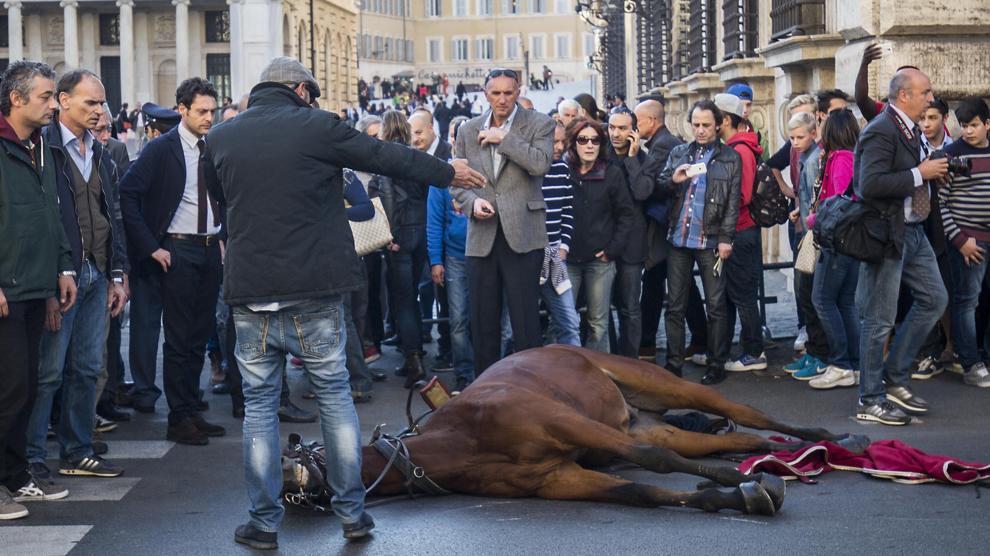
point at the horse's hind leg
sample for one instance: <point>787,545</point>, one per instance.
<point>694,444</point>
<point>649,387</point>
<point>577,430</point>
<point>572,482</point>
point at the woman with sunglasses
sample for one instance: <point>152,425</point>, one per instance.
<point>603,216</point>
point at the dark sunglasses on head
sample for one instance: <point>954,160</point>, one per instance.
<point>584,140</point>
<point>502,72</point>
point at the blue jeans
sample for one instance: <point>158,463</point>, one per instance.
<point>967,282</point>
<point>834,297</point>
<point>565,324</point>
<point>876,301</point>
<point>456,280</point>
<point>597,277</point>
<point>314,332</point>
<point>83,336</point>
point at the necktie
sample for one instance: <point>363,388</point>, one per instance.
<point>921,200</point>
<point>204,196</point>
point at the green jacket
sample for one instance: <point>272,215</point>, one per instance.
<point>33,246</point>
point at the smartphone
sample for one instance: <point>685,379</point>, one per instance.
<point>696,169</point>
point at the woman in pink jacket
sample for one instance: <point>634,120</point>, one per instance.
<point>834,290</point>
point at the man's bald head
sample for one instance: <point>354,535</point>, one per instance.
<point>649,116</point>
<point>525,103</point>
<point>421,126</point>
<point>911,91</point>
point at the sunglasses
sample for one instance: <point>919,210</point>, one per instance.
<point>584,140</point>
<point>502,72</point>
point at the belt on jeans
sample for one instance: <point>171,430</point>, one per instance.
<point>202,240</point>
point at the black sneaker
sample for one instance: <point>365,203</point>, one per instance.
<point>104,425</point>
<point>111,412</point>
<point>185,432</point>
<point>360,528</point>
<point>927,368</point>
<point>291,413</point>
<point>90,466</point>
<point>443,365</point>
<point>883,412</point>
<point>259,540</point>
<point>40,490</point>
<point>905,398</point>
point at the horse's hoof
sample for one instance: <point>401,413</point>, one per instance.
<point>756,500</point>
<point>775,487</point>
<point>855,443</point>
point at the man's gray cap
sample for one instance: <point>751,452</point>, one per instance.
<point>730,104</point>
<point>289,70</point>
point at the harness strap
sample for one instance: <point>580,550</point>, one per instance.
<point>398,456</point>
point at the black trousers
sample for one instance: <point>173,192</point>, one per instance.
<point>189,296</point>
<point>20,338</point>
<point>517,277</point>
<point>681,264</point>
<point>817,344</point>
<point>114,361</point>
<point>651,305</point>
<point>371,322</point>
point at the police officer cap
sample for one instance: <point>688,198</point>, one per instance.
<point>154,113</point>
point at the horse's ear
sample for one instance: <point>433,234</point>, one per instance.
<point>294,439</point>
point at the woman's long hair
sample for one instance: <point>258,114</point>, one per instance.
<point>590,106</point>
<point>577,126</point>
<point>840,131</point>
<point>395,128</point>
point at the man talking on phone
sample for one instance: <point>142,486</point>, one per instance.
<point>703,177</point>
<point>627,154</point>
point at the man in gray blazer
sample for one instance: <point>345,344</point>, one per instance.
<point>513,148</point>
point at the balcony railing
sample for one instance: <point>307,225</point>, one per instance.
<point>797,17</point>
<point>702,36</point>
<point>741,33</point>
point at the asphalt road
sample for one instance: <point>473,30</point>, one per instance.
<point>187,500</point>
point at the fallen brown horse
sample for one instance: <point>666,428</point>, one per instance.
<point>531,424</point>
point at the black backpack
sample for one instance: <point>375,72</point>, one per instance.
<point>769,206</point>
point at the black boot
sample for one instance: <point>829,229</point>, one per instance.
<point>714,375</point>
<point>414,369</point>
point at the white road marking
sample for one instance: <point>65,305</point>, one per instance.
<point>41,540</point>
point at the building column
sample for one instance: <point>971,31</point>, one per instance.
<point>236,49</point>
<point>181,39</point>
<point>71,34</point>
<point>126,51</point>
<point>15,33</point>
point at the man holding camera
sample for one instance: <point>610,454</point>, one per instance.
<point>890,176</point>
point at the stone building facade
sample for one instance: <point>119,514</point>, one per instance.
<point>142,49</point>
<point>465,38</point>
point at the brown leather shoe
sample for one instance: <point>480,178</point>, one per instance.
<point>186,432</point>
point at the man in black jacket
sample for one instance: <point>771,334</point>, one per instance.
<point>88,202</point>
<point>658,142</point>
<point>703,224</point>
<point>890,175</point>
<point>174,228</point>
<point>289,259</point>
<point>627,154</point>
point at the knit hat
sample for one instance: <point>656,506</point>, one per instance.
<point>283,69</point>
<point>741,90</point>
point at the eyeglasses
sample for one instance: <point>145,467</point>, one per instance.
<point>502,72</point>
<point>584,140</point>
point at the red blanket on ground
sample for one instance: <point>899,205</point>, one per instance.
<point>885,459</point>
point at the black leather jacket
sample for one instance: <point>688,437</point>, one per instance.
<point>724,176</point>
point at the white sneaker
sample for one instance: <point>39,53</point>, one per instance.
<point>747,363</point>
<point>833,377</point>
<point>700,359</point>
<point>978,376</point>
<point>802,338</point>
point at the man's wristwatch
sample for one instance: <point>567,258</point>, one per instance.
<point>67,273</point>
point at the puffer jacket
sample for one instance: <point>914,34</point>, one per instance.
<point>724,177</point>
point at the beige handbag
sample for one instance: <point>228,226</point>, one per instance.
<point>807,254</point>
<point>372,235</point>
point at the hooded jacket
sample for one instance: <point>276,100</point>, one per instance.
<point>109,200</point>
<point>277,169</point>
<point>33,247</point>
<point>747,144</point>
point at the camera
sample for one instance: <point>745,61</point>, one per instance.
<point>957,166</point>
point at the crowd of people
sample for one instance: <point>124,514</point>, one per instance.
<point>594,216</point>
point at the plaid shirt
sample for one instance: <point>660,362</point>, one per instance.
<point>689,231</point>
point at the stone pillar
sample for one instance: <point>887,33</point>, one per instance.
<point>252,45</point>
<point>181,39</point>
<point>15,29</point>
<point>71,36</point>
<point>236,49</point>
<point>126,51</point>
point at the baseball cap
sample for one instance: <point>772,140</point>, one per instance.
<point>729,104</point>
<point>741,90</point>
<point>283,69</point>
